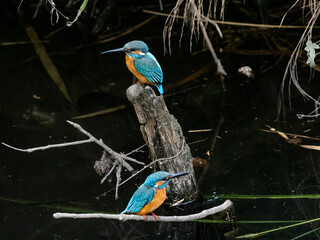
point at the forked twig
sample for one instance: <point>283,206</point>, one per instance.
<point>118,160</point>
<point>153,162</point>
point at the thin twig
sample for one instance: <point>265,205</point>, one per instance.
<point>107,175</point>
<point>153,162</point>
<point>123,217</point>
<point>101,144</point>
<point>119,157</point>
<point>198,141</point>
<point>220,69</point>
<point>290,134</point>
<point>37,9</point>
<point>20,42</point>
<point>136,150</point>
<point>126,31</point>
<point>20,3</point>
<point>200,130</point>
<point>284,16</point>
<point>29,150</point>
<point>101,112</point>
<point>240,24</point>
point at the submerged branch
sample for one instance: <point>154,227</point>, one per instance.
<point>123,217</point>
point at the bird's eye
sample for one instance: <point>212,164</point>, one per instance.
<point>133,49</point>
<point>167,178</point>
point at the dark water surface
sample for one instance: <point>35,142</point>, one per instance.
<point>245,160</point>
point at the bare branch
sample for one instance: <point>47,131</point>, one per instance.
<point>29,150</point>
<point>153,162</point>
<point>19,6</point>
<point>118,160</point>
<point>230,23</point>
<point>104,146</point>
<point>220,68</point>
<point>117,156</point>
<point>107,175</point>
<point>136,150</point>
<point>123,217</point>
<point>118,175</point>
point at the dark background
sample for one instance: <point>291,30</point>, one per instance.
<point>245,160</point>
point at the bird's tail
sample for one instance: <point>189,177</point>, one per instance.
<point>160,89</point>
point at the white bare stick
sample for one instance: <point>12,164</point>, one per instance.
<point>118,175</point>
<point>118,156</point>
<point>29,150</point>
<point>123,217</point>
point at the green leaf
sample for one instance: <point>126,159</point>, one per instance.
<point>82,7</point>
<point>311,52</point>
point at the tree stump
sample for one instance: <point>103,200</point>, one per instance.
<point>163,135</point>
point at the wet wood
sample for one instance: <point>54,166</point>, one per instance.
<point>163,135</point>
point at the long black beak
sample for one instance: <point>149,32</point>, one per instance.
<point>175,175</point>
<point>114,50</point>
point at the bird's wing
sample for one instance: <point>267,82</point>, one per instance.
<point>140,198</point>
<point>149,67</point>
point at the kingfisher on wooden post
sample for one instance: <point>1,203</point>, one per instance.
<point>142,63</point>
<point>151,194</point>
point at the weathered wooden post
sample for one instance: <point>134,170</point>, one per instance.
<point>163,135</point>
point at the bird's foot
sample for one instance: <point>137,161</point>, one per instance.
<point>155,216</point>
<point>141,83</point>
<point>145,217</point>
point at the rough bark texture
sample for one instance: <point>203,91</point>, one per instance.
<point>164,137</point>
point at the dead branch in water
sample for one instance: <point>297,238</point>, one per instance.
<point>114,160</point>
<point>110,160</point>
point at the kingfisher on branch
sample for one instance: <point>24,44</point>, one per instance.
<point>151,194</point>
<point>142,63</point>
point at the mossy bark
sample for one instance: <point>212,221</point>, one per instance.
<point>163,135</point>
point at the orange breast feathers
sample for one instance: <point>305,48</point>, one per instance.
<point>156,202</point>
<point>130,66</point>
